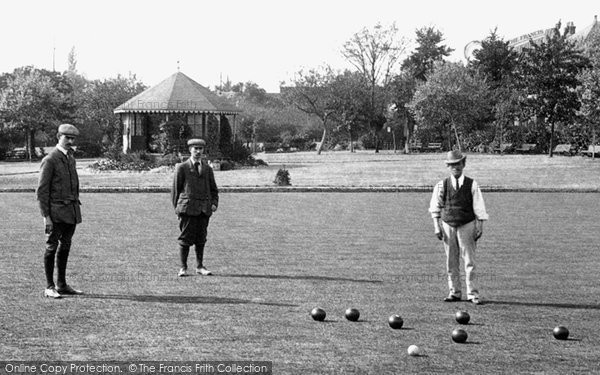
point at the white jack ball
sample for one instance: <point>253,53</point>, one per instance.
<point>414,350</point>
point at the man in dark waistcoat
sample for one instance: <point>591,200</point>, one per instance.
<point>58,198</point>
<point>195,197</point>
<point>458,213</point>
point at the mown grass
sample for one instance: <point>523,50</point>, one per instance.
<point>278,255</point>
<point>361,169</point>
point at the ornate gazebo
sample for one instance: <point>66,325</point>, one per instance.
<point>180,96</point>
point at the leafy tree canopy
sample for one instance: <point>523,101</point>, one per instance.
<point>429,50</point>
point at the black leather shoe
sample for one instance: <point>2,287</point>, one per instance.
<point>452,298</point>
<point>69,290</point>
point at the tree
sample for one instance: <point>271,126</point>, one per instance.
<point>312,94</point>
<point>78,85</point>
<point>255,93</point>
<point>271,119</point>
<point>495,60</point>
<point>350,103</point>
<point>98,101</point>
<point>225,137</point>
<point>507,103</point>
<point>427,53</point>
<point>589,91</point>
<point>589,95</point>
<point>451,101</point>
<point>402,90</point>
<point>375,53</point>
<point>415,68</point>
<point>30,102</point>
<point>549,75</point>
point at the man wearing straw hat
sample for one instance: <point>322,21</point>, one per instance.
<point>458,213</point>
<point>195,197</point>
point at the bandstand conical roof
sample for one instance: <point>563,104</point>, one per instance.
<point>177,94</point>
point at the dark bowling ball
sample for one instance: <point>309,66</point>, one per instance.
<point>459,335</point>
<point>395,321</point>
<point>352,315</point>
<point>560,333</point>
<point>318,314</point>
<point>463,317</point>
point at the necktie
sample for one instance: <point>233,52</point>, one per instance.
<point>198,168</point>
<point>457,184</point>
<point>70,157</point>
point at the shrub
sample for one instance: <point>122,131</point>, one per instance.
<point>239,152</point>
<point>168,160</point>
<point>176,132</point>
<point>282,178</point>
<point>3,151</point>
<point>113,152</point>
<point>271,146</point>
<point>259,162</point>
<point>226,165</point>
<point>87,149</point>
<point>136,161</point>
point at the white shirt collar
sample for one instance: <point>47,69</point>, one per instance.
<point>62,149</point>
<point>461,180</point>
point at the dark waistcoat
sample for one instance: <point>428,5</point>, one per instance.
<point>458,204</point>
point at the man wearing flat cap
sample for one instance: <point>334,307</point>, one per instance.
<point>58,198</point>
<point>195,197</point>
<point>458,213</point>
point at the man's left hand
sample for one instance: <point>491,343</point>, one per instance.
<point>214,208</point>
<point>478,230</point>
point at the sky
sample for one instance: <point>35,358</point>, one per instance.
<point>262,41</point>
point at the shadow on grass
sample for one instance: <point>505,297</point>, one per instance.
<point>299,277</point>
<point>543,304</point>
<point>183,299</point>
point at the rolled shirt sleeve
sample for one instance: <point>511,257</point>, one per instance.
<point>436,203</point>
<point>478,203</point>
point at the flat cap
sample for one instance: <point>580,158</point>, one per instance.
<point>68,129</point>
<point>196,142</point>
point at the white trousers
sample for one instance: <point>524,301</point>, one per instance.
<point>459,242</point>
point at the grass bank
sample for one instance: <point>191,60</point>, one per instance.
<point>361,170</point>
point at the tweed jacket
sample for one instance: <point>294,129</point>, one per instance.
<point>58,188</point>
<point>194,193</point>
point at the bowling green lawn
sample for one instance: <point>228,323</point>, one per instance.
<point>278,255</point>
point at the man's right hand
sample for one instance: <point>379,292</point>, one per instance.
<point>48,224</point>
<point>437,229</point>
